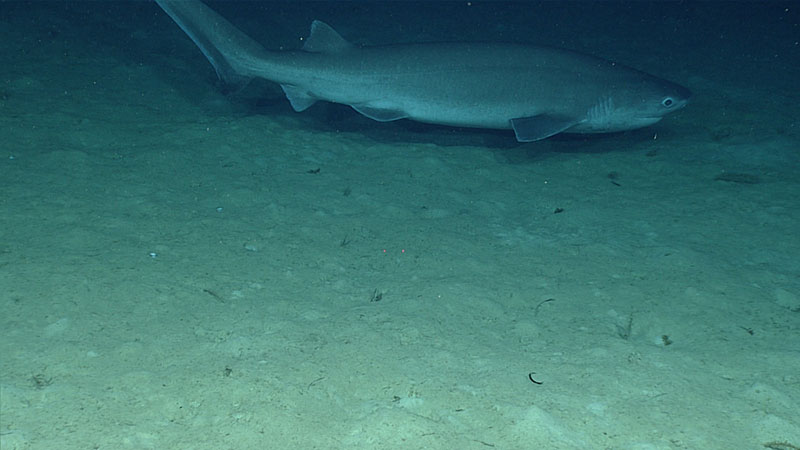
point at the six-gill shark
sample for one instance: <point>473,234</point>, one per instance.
<point>536,91</point>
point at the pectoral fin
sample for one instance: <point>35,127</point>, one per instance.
<point>529,129</point>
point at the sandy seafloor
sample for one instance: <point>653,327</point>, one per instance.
<point>174,275</point>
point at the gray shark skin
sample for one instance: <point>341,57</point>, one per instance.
<point>536,91</point>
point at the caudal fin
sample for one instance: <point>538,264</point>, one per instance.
<point>230,51</point>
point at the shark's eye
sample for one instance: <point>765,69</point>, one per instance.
<point>668,102</point>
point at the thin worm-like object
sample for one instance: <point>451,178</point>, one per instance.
<point>530,377</point>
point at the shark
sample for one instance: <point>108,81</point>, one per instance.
<point>535,91</point>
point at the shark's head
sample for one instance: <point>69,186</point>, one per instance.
<point>634,106</point>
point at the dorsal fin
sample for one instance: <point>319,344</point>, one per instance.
<point>324,39</point>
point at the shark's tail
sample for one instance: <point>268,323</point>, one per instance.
<point>229,50</point>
